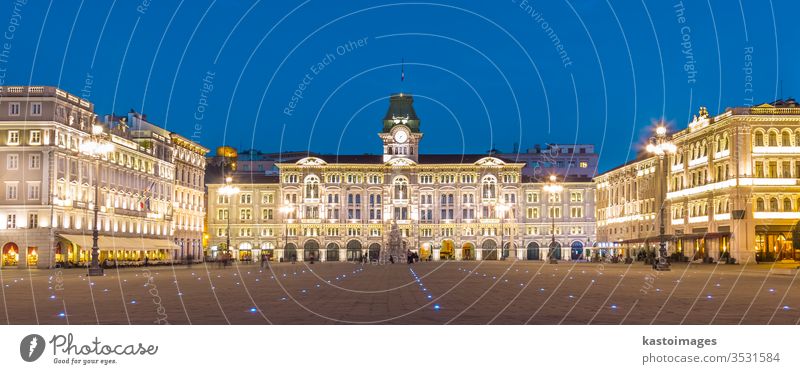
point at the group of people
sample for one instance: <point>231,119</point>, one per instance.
<point>412,257</point>
<point>224,259</point>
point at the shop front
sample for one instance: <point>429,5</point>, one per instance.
<point>113,251</point>
<point>10,254</point>
<point>244,253</point>
<point>268,250</point>
<point>776,243</point>
<point>468,251</point>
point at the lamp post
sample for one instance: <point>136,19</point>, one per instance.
<point>501,210</point>
<point>229,191</point>
<point>660,146</point>
<point>554,189</point>
<point>286,210</point>
<point>96,147</point>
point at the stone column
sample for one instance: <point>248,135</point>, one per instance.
<point>342,254</point>
<point>23,257</point>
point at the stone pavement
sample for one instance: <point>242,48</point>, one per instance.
<point>472,292</point>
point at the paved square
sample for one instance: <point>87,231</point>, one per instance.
<point>457,292</point>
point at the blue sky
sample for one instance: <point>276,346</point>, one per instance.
<point>484,73</point>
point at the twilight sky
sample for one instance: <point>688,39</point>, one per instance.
<point>314,74</point>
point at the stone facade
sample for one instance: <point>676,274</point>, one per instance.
<point>731,191</point>
<point>342,207</point>
<point>48,198</point>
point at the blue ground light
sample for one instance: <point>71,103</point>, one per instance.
<point>133,301</point>
<point>436,307</point>
<point>62,314</point>
<point>253,310</point>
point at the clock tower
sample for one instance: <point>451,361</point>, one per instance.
<point>401,133</point>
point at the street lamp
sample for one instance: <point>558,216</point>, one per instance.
<point>228,190</point>
<point>554,189</point>
<point>286,210</point>
<point>96,148</point>
<point>660,146</point>
<point>501,210</point>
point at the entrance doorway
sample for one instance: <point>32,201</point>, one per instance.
<point>468,251</point>
<point>290,254</point>
<point>374,252</point>
<point>311,251</point>
<point>555,251</point>
<point>332,253</point>
<point>354,251</point>
<point>576,251</point>
<point>489,250</point>
<point>533,251</point>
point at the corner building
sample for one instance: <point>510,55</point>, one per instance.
<point>48,184</point>
<point>732,189</point>
<point>444,206</point>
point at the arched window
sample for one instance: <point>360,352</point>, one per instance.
<point>489,187</point>
<point>786,137</point>
<point>797,139</point>
<point>773,139</point>
<point>787,205</point>
<point>773,204</point>
<point>401,188</point>
<point>759,205</point>
<point>759,139</point>
<point>725,142</point>
<point>312,187</point>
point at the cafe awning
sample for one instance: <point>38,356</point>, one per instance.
<point>117,243</point>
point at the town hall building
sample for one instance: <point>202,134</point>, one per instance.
<point>444,206</point>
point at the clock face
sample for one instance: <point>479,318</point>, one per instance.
<point>400,136</point>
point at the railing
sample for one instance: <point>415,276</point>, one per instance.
<point>130,212</point>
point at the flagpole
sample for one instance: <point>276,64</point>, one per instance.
<point>402,72</point>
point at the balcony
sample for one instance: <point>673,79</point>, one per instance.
<point>776,215</point>
<point>698,161</point>
<point>722,217</point>
<point>762,150</point>
<point>129,212</point>
<point>698,219</point>
<point>722,154</point>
